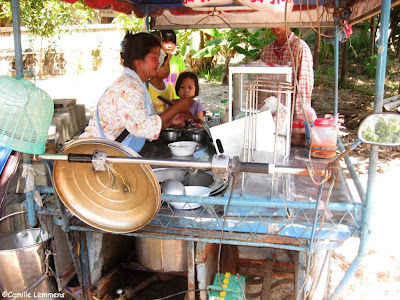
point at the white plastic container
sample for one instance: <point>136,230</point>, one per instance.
<point>323,138</point>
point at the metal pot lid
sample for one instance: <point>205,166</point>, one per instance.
<point>120,201</point>
<point>195,130</point>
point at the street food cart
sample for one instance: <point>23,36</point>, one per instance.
<point>269,214</point>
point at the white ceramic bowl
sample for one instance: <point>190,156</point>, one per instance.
<point>184,148</point>
<point>192,190</point>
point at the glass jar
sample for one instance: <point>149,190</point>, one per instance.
<point>323,138</point>
<point>298,133</point>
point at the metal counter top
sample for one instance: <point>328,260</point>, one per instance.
<point>159,149</point>
<point>289,212</point>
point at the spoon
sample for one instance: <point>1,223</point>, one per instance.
<point>206,128</point>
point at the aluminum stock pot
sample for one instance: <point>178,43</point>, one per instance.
<point>122,199</point>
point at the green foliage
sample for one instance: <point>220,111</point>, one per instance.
<point>219,43</point>
<point>127,23</point>
<point>215,74</point>
<point>385,130</point>
<point>331,71</point>
<point>184,43</point>
<point>205,74</point>
<point>359,44</point>
<point>80,69</point>
<point>371,64</point>
<point>327,51</point>
<point>251,42</point>
<point>226,43</point>
<point>96,53</point>
<point>50,18</point>
<point>5,13</point>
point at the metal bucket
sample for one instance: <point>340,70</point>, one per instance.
<point>22,264</point>
<point>161,255</point>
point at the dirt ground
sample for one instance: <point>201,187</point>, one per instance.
<point>378,276</point>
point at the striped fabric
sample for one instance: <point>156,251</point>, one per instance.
<point>303,59</point>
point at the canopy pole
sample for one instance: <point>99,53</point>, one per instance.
<point>16,20</point>
<point>366,229</point>
<point>336,66</point>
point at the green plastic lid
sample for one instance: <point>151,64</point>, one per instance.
<point>26,112</point>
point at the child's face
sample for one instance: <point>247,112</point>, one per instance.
<point>168,46</point>
<point>187,88</point>
<point>164,70</point>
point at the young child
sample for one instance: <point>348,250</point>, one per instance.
<point>157,85</point>
<point>187,85</point>
<point>177,65</point>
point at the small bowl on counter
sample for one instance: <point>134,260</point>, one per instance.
<point>183,148</point>
<point>170,135</point>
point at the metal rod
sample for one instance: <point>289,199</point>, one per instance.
<point>311,244</point>
<point>141,160</point>
<point>253,167</point>
<point>298,170</point>
<point>162,162</point>
<point>53,157</point>
<point>31,206</point>
<point>256,201</point>
<point>352,171</point>
<point>243,167</point>
<point>13,214</point>
<point>201,239</point>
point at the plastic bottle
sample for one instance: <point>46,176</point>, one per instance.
<point>323,138</point>
<point>223,108</point>
<point>225,118</point>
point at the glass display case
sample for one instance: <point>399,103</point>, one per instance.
<point>253,91</point>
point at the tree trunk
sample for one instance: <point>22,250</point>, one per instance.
<point>208,61</point>
<point>317,49</point>
<point>398,91</point>
<point>398,49</point>
<point>40,59</point>
<point>343,67</point>
<point>225,79</point>
<point>372,35</point>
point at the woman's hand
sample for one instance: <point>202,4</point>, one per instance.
<point>183,104</point>
<point>180,118</point>
<point>176,114</point>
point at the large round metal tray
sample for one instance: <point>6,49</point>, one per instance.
<point>92,197</point>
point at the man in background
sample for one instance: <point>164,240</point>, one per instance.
<point>289,50</point>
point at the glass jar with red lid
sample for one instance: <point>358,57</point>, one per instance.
<point>298,133</point>
<point>323,138</point>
